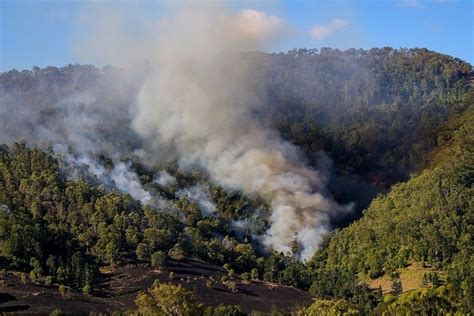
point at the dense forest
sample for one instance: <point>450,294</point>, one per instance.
<point>395,124</point>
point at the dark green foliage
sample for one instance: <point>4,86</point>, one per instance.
<point>158,259</point>
<point>427,219</point>
<point>375,112</point>
<point>32,237</point>
<point>60,230</point>
<point>397,286</point>
<point>223,310</point>
<point>379,114</point>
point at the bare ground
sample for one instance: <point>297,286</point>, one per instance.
<point>121,285</point>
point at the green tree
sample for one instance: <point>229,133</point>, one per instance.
<point>166,299</point>
<point>158,259</point>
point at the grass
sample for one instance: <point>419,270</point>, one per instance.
<point>411,278</point>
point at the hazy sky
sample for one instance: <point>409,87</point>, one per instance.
<point>41,33</point>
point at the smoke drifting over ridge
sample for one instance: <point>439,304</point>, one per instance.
<point>201,101</point>
<point>198,98</point>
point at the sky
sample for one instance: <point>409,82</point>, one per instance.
<point>45,32</point>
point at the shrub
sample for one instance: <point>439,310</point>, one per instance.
<point>87,289</point>
<point>158,259</point>
<point>166,299</point>
<point>245,276</point>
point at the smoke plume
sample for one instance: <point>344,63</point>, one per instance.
<point>200,98</point>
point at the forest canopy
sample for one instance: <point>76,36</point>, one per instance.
<point>390,128</point>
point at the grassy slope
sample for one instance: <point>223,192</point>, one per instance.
<point>429,218</point>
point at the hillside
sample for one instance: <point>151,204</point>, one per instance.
<point>374,112</point>
<point>428,219</point>
<point>121,285</point>
<point>92,212</point>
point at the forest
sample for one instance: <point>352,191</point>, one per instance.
<point>391,128</point>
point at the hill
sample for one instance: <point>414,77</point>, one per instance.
<point>428,220</point>
<point>85,210</point>
<point>121,285</point>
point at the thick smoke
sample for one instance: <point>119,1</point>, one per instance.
<point>200,98</point>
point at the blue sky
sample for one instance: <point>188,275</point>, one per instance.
<point>41,33</point>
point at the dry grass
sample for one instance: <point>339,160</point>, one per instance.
<point>411,278</point>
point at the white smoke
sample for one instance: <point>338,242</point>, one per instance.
<point>120,177</point>
<point>200,99</point>
<point>200,195</point>
<point>128,181</point>
<point>164,179</point>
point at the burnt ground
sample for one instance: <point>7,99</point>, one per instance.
<point>121,285</point>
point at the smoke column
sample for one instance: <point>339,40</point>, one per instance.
<point>199,99</point>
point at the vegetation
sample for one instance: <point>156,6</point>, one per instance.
<point>381,115</point>
<point>60,231</point>
<point>427,219</point>
<point>167,299</point>
<point>374,112</point>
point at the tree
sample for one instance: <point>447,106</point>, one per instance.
<point>223,310</point>
<point>329,308</point>
<point>254,274</point>
<point>295,246</point>
<point>397,286</point>
<point>176,252</point>
<point>158,259</point>
<point>425,301</point>
<point>166,299</point>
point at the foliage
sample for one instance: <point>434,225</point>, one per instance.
<point>426,301</point>
<point>381,115</point>
<point>329,308</point>
<point>166,299</point>
<point>158,259</point>
<point>375,112</point>
<point>427,219</point>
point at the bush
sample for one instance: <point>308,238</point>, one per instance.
<point>177,252</point>
<point>23,278</point>
<point>158,259</point>
<point>49,280</point>
<point>329,308</point>
<point>223,310</point>
<point>232,286</point>
<point>62,290</point>
<point>87,289</point>
<point>245,276</point>
<point>57,312</point>
<point>166,299</point>
<point>254,274</point>
<point>142,251</point>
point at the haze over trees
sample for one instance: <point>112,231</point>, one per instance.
<point>385,122</point>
